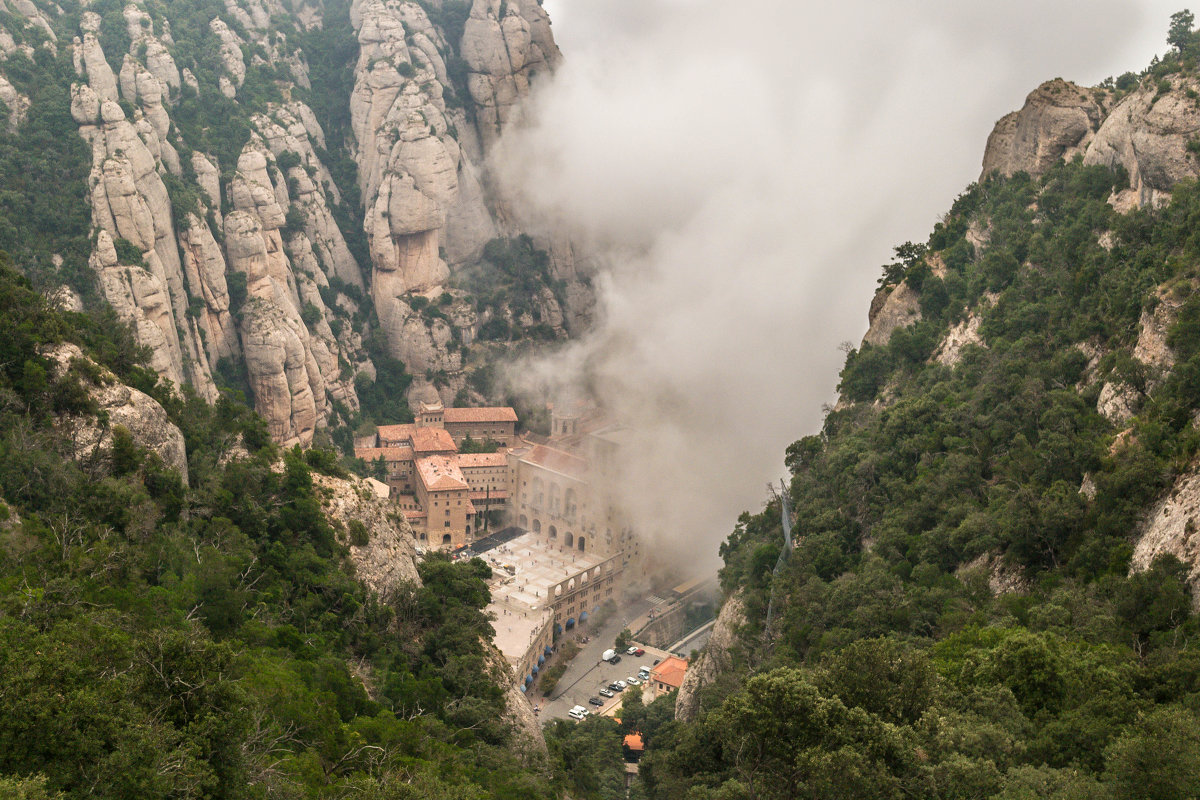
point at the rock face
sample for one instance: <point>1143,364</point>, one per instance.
<point>389,558</point>
<point>518,712</point>
<point>225,241</point>
<point>713,660</point>
<point>1057,121</point>
<point>1147,132</point>
<point>965,333</point>
<point>1171,527</point>
<point>148,424</point>
<point>892,309</point>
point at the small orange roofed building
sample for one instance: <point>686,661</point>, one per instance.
<point>668,674</point>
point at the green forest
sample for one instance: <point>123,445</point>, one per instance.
<point>959,617</point>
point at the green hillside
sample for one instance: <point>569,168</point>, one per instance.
<point>892,668</point>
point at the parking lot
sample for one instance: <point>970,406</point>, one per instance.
<point>597,675</point>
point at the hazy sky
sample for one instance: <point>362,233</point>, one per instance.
<point>743,169</point>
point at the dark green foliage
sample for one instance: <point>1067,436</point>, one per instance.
<point>359,537</point>
<point>43,175</point>
<point>163,640</point>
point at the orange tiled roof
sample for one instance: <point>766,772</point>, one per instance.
<point>634,742</point>
<point>491,414</point>
<point>433,440</point>
<point>670,671</point>
<point>440,474</point>
<point>557,460</point>
<point>468,460</point>
<point>395,433</point>
<point>388,453</point>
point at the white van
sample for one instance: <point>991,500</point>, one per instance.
<point>607,655</point>
<point>578,712</point>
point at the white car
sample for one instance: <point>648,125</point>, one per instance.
<point>632,651</point>
<point>633,681</point>
<point>622,684</point>
<point>578,712</point>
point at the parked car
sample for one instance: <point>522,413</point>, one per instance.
<point>632,681</point>
<point>643,672</point>
<point>614,687</point>
<point>614,660</point>
<point>622,684</point>
<point>578,713</point>
<point>632,651</point>
<point>638,652</point>
<point>596,701</point>
<point>607,692</point>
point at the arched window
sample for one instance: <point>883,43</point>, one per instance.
<point>537,526</point>
<point>446,538</point>
<point>553,532</point>
<point>581,540</point>
<point>568,539</point>
<point>523,522</point>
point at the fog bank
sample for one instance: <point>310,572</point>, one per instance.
<point>741,171</point>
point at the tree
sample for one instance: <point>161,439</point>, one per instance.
<point>1158,758</point>
<point>1179,35</point>
<point>623,639</point>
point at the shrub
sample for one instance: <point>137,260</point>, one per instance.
<point>359,536</point>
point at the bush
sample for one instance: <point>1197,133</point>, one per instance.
<point>359,536</point>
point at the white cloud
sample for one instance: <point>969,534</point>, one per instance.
<point>744,168</point>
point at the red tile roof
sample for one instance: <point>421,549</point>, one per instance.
<point>469,460</point>
<point>634,741</point>
<point>477,415</point>
<point>395,433</point>
<point>557,460</point>
<point>433,440</point>
<point>440,474</point>
<point>670,671</point>
<point>388,453</point>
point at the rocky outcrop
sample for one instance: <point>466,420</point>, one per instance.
<point>965,333</point>
<point>90,438</point>
<point>16,104</point>
<point>517,711</point>
<point>388,560</point>
<point>1057,121</point>
<point>130,204</point>
<point>1148,134</point>
<point>1118,402</point>
<point>1171,527</point>
<point>893,308</point>
<point>713,660</point>
<point>1152,348</point>
<point>505,45</point>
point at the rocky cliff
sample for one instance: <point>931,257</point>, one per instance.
<point>90,437</point>
<point>250,247</point>
<point>715,659</point>
<point>1148,130</point>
